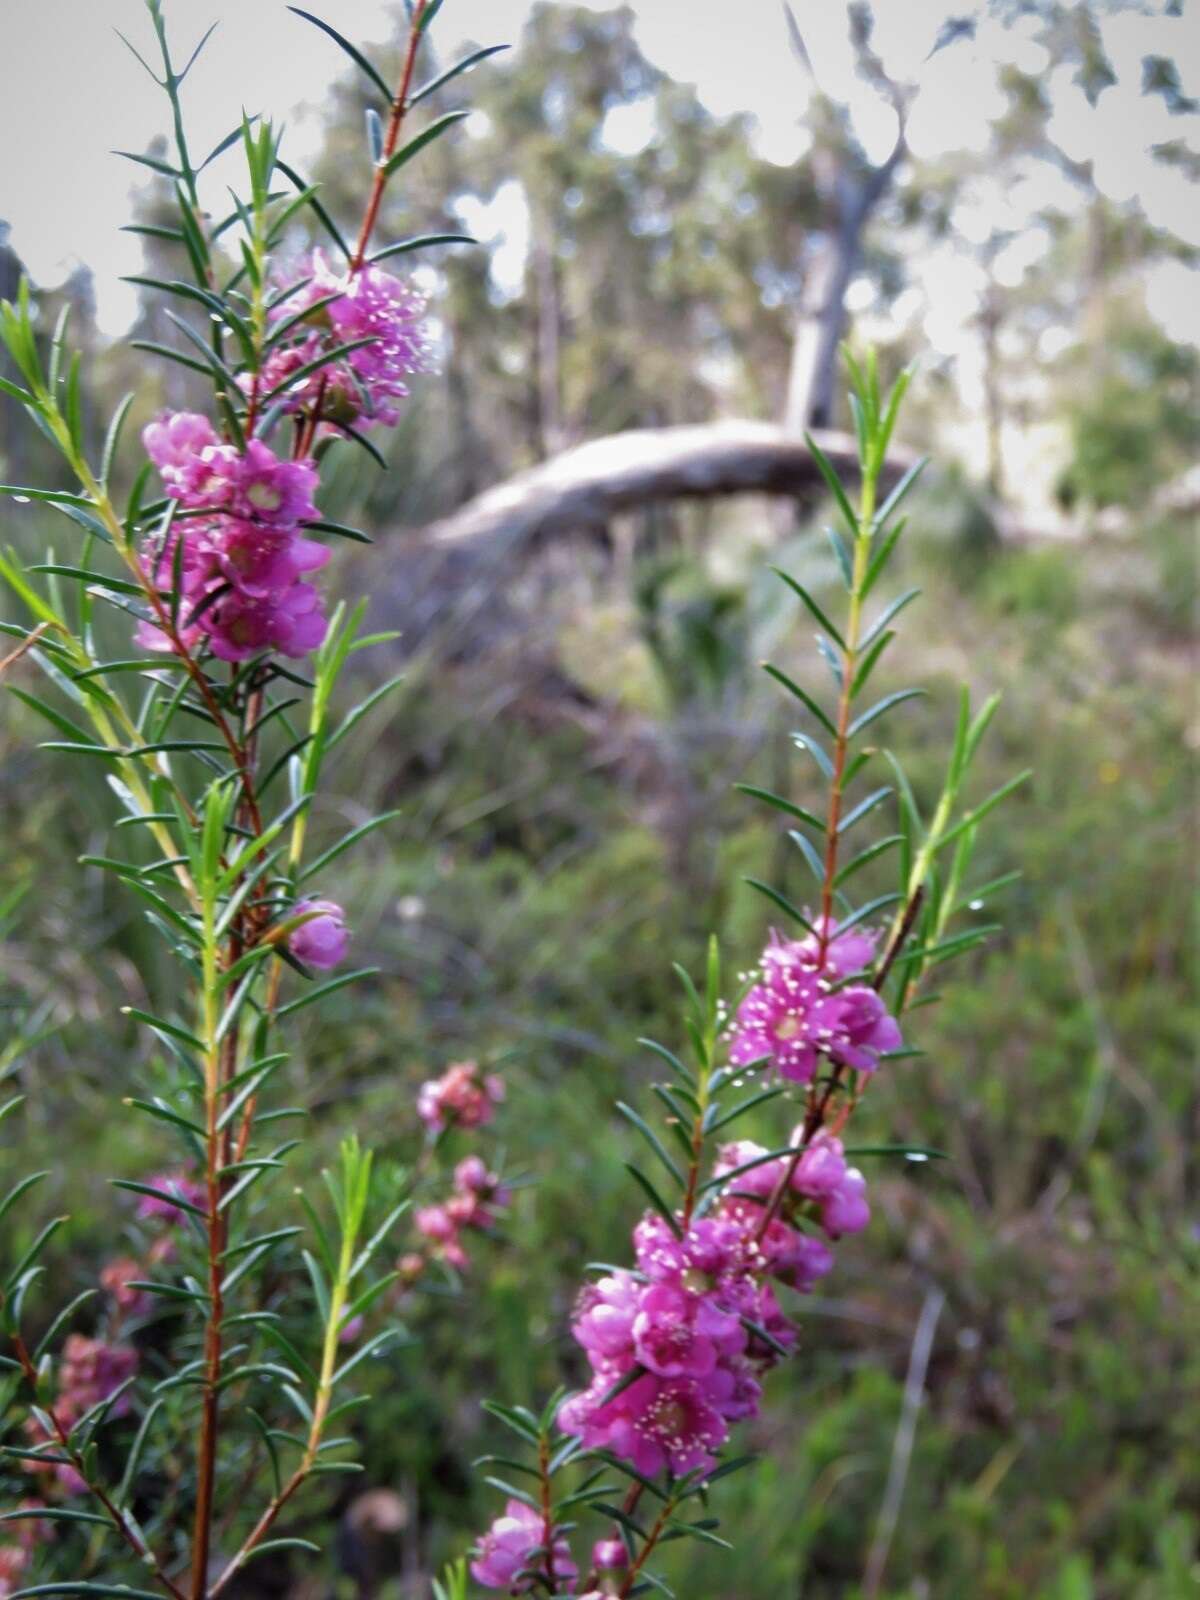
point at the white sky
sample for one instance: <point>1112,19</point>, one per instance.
<point>70,93</point>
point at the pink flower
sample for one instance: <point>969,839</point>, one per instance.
<point>514,1548</point>
<point>761,1180</point>
<point>846,1210</point>
<point>349,1331</point>
<point>604,1318</point>
<point>775,1019</point>
<point>845,953</point>
<point>670,1422</point>
<point>368,304</point>
<point>321,941</point>
<point>609,1555</point>
<point>176,439</point>
<point>289,621</point>
<point>259,561</point>
<point>822,1167</point>
<point>462,1097</point>
<point>266,489</point>
<point>795,1013</point>
<point>865,1029</point>
<point>678,1335</point>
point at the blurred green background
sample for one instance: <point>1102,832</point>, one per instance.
<point>563,749</point>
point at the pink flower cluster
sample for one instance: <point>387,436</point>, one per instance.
<point>679,1346</point>
<point>804,1006</point>
<point>515,1549</point>
<point>91,1371</point>
<point>463,1097</point>
<point>236,543</point>
<point>478,1196</point>
<point>363,386</point>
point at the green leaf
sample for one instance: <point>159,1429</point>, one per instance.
<point>880,559</point>
<point>354,717</point>
<point>522,1424</point>
<point>820,755</point>
<point>800,694</point>
<point>155,1108</point>
<point>56,496</point>
<point>323,989</point>
<point>980,811</point>
<point>784,904</point>
<point>695,1530</point>
<point>886,616</point>
<point>869,910</point>
<point>318,209</point>
<point>818,615</point>
<point>809,851</point>
<point>868,663</point>
<point>155,165</point>
<point>655,1199</point>
<point>868,855</point>
<point>652,1139</point>
<point>767,1156</point>
<point>76,734</point>
<point>672,1060</point>
<point>745,1106</point>
<point>917,1152</point>
<point>60,1322</point>
<point>414,146</point>
<point>841,555</point>
<point>161,1025</point>
<point>34,1251</point>
<point>455,71</point>
<point>888,421</point>
<point>317,1278</point>
<point>118,1591</point>
<point>833,483</point>
<point>789,807</point>
<point>359,60</point>
<point>293,1542</point>
<point>880,708</point>
<point>19,1189</point>
<point>345,843</point>
<point>422,242</point>
<point>171,355</point>
<point>862,809</point>
<point>159,1194</point>
<point>373,1347</point>
<point>55,1514</point>
<point>899,492</point>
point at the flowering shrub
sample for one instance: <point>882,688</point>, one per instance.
<point>679,1341</point>
<point>208,565</point>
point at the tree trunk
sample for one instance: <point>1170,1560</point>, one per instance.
<point>821,322</point>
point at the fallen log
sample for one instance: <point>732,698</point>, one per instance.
<point>587,486</point>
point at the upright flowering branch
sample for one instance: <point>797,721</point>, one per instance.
<point>207,766</point>
<point>679,1343</point>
